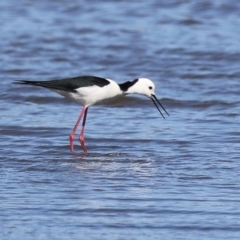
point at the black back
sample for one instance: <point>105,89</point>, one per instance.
<point>69,84</point>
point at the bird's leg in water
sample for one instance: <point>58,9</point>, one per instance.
<point>81,137</point>
<point>71,136</point>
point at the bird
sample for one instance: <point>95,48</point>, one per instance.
<point>91,90</point>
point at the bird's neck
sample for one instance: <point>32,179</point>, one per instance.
<point>125,87</point>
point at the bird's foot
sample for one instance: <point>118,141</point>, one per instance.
<point>82,142</point>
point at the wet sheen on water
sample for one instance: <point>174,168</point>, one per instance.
<point>144,177</point>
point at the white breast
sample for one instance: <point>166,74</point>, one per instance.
<point>87,96</point>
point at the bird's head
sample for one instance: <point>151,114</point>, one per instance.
<point>146,87</point>
<point>143,86</point>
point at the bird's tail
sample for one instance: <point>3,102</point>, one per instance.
<point>45,84</point>
<point>41,84</point>
<point>53,85</point>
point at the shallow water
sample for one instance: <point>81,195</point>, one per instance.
<point>144,177</point>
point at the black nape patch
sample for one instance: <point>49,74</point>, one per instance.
<point>125,86</point>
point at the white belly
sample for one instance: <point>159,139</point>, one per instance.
<point>87,96</point>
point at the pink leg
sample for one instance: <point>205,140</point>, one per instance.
<point>71,136</point>
<point>81,137</point>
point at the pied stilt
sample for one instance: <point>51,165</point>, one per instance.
<point>89,90</point>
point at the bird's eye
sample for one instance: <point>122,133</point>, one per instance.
<point>150,88</point>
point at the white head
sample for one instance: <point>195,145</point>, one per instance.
<point>143,86</point>
<point>146,87</point>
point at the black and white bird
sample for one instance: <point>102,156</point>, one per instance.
<point>90,90</point>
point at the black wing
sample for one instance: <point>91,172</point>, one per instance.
<point>69,84</point>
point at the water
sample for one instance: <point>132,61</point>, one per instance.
<point>144,177</point>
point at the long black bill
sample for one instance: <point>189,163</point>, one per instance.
<point>155,103</point>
